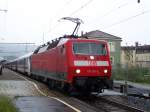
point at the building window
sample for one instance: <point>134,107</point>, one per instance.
<point>112,60</point>
<point>111,46</point>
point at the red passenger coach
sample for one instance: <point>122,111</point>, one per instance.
<point>73,64</point>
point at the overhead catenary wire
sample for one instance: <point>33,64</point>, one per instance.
<point>86,4</point>
<point>113,10</point>
<point>122,5</point>
<point>63,8</point>
<point>106,14</point>
<point>127,19</point>
<point>58,13</point>
<point>83,6</point>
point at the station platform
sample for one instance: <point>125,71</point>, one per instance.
<point>40,104</point>
<point>142,86</point>
<point>136,88</point>
<point>27,98</point>
<point>110,93</point>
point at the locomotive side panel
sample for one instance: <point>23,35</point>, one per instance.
<point>61,64</point>
<point>49,64</point>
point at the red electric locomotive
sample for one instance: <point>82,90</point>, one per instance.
<point>74,64</point>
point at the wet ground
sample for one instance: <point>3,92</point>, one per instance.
<point>41,104</point>
<point>135,88</point>
<point>13,85</point>
<point>26,95</point>
<point>28,98</point>
<point>9,75</point>
<point>138,95</point>
<point>17,88</point>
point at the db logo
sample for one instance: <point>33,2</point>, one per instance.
<point>92,63</point>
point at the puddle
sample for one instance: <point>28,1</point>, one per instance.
<point>40,104</point>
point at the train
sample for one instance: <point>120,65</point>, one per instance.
<point>74,64</point>
<point>70,63</point>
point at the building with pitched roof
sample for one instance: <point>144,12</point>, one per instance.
<point>114,44</point>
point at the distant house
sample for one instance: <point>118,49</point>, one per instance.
<point>114,44</point>
<point>136,55</point>
<point>128,56</point>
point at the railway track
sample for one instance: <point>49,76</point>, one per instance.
<point>97,104</point>
<point>118,107</point>
<point>109,105</point>
<point>100,104</point>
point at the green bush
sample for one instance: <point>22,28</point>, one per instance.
<point>6,105</point>
<point>133,74</point>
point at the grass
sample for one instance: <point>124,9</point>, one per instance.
<point>6,105</point>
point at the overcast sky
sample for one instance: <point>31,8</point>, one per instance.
<point>28,20</point>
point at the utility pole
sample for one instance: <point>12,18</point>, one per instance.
<point>5,11</point>
<point>126,79</point>
<point>128,54</point>
<point>26,48</point>
<point>43,37</point>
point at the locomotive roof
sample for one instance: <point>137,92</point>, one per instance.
<point>64,40</point>
<point>61,41</point>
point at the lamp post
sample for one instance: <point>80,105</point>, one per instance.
<point>126,80</point>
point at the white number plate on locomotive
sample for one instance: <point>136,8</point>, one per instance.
<point>90,63</point>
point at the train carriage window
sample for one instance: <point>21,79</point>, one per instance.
<point>89,48</point>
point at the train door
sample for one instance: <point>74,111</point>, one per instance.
<point>60,62</point>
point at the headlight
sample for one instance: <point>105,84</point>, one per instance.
<point>91,57</point>
<point>105,71</point>
<point>78,71</point>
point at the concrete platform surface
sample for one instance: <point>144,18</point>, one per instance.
<point>135,87</point>
<point>17,88</point>
<point>40,104</point>
<point>138,85</point>
<point>110,93</point>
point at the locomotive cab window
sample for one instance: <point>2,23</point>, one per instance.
<point>89,48</point>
